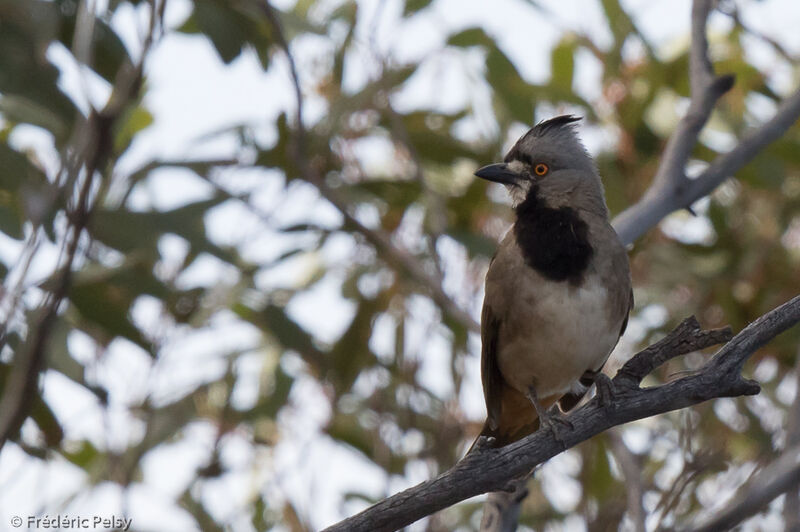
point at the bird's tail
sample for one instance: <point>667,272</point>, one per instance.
<point>515,418</point>
<point>503,435</point>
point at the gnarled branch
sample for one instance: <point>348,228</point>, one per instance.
<point>488,469</point>
<point>672,189</point>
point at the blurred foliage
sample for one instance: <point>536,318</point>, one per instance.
<point>374,375</point>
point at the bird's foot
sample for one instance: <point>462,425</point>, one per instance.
<point>549,418</point>
<point>605,390</point>
<point>555,421</point>
<point>483,442</point>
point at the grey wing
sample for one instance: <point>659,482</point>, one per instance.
<point>490,370</point>
<point>627,314</point>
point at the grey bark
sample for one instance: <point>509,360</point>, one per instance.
<point>489,469</point>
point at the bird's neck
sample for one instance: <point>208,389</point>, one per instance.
<point>554,241</point>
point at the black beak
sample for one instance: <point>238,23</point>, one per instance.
<point>499,173</point>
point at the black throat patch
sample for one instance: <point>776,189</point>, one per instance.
<point>554,242</point>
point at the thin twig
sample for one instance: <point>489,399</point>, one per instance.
<point>780,476</point>
<point>732,11</point>
<point>396,257</point>
<point>93,150</point>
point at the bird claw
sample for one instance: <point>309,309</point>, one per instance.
<point>605,390</point>
<point>483,442</point>
<point>551,419</point>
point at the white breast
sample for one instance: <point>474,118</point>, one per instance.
<point>553,332</point>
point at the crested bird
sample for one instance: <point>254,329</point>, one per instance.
<point>558,289</point>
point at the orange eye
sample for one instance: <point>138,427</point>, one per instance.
<point>540,169</point>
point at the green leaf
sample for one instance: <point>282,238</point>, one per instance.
<point>597,477</point>
<point>10,215</point>
<point>84,456</point>
<point>412,6</point>
<point>16,169</point>
<point>134,120</point>
<point>350,355</point>
<point>108,53</point>
<point>477,245</point>
<point>59,358</point>
<point>28,81</point>
<point>562,64</point>
<point>205,521</point>
<point>431,136</point>
<point>46,421</point>
<point>347,429</point>
<point>513,92</point>
<point>470,37</point>
<point>129,232</point>
<point>231,27</point>
<point>21,109</point>
<point>103,298</point>
<point>273,320</point>
<point>619,22</point>
<point>345,105</point>
<point>222,25</point>
<point>275,398</point>
<point>106,305</point>
<point>19,178</point>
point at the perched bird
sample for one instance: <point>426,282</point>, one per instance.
<point>558,290</point>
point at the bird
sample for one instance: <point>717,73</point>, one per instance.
<point>558,290</point>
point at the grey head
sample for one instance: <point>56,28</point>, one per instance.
<point>551,162</point>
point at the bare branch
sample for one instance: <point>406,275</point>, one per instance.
<point>782,475</point>
<point>406,262</point>
<point>670,180</point>
<point>93,138</point>
<point>671,188</point>
<point>791,504</point>
<point>488,469</point>
<point>727,164</point>
<point>299,140</point>
<point>632,472</point>
<point>393,255</point>
<point>501,509</point>
<point>685,338</point>
<point>779,477</point>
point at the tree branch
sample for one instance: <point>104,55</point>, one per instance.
<point>398,258</point>
<point>791,504</point>
<point>632,473</point>
<point>672,189</point>
<point>662,197</point>
<point>93,146</point>
<point>780,476</point>
<point>488,469</point>
<point>501,509</point>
